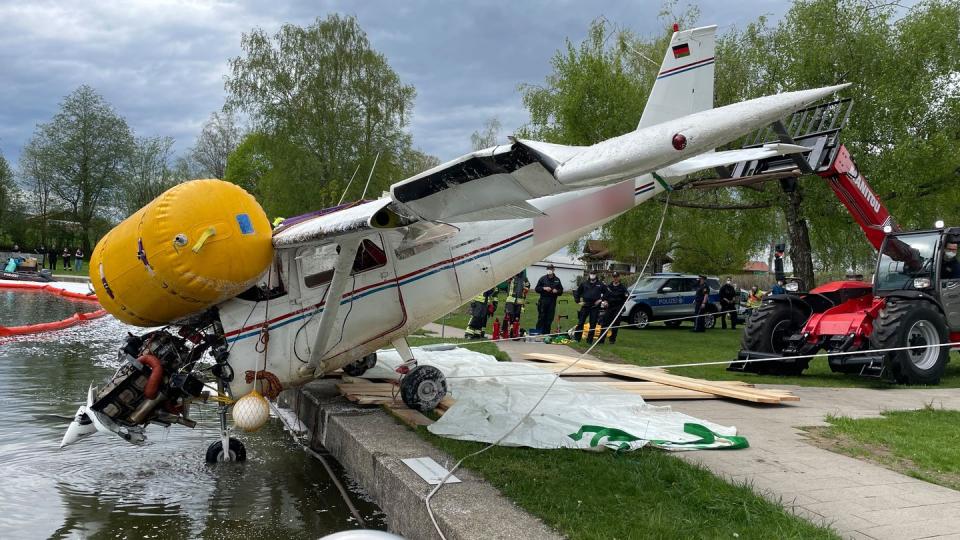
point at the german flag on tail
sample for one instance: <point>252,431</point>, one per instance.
<point>679,51</point>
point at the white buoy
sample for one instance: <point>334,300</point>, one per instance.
<point>251,411</point>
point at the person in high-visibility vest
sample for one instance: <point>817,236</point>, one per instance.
<point>479,312</point>
<point>754,299</point>
<point>517,289</point>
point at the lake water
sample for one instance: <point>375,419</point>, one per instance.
<point>104,487</point>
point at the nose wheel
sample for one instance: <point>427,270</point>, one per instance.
<point>235,451</point>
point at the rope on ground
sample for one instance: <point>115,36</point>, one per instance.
<point>556,377</point>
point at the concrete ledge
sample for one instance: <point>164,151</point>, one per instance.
<point>369,444</point>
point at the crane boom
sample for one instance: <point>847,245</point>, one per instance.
<point>855,193</point>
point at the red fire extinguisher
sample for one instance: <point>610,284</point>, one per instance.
<point>496,329</point>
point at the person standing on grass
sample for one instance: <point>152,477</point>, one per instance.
<point>77,260</point>
<point>549,287</point>
<point>700,300</point>
<point>615,296</point>
<point>728,304</point>
<point>589,295</point>
<point>66,258</point>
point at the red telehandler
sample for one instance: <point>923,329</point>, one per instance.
<point>914,300</point>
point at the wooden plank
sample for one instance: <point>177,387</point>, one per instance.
<point>746,394</point>
<point>409,417</point>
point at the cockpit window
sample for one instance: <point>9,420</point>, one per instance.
<point>904,258</point>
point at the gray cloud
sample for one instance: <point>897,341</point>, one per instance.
<point>161,63</point>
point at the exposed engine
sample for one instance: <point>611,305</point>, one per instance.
<point>159,378</point>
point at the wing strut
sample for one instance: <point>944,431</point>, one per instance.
<point>341,274</point>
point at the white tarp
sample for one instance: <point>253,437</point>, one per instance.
<point>491,397</point>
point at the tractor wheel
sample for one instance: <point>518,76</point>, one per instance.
<point>912,323</point>
<point>767,331</point>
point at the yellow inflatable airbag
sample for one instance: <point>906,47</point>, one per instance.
<point>194,246</point>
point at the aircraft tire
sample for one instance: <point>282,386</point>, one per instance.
<point>423,388</point>
<point>237,450</point>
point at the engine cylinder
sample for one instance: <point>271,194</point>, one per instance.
<point>194,246</point>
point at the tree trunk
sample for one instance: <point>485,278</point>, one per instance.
<point>801,254</point>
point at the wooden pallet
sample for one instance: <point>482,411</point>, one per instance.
<point>716,388</point>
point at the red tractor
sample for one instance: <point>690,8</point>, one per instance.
<point>912,306</point>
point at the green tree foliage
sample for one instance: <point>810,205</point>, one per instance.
<point>486,137</point>
<point>219,136</point>
<point>249,163</point>
<point>147,173</point>
<point>10,205</point>
<point>322,101</point>
<point>79,157</point>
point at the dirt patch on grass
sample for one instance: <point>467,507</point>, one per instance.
<point>841,443</point>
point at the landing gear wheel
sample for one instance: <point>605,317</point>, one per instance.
<point>767,331</point>
<point>639,318</point>
<point>236,452</point>
<point>673,324</point>
<point>423,388</point>
<point>361,366</point>
<point>904,323</point>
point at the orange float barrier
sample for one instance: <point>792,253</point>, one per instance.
<point>74,319</point>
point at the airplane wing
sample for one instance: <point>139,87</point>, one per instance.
<point>328,223</point>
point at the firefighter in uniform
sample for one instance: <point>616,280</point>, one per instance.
<point>549,287</point>
<point>479,312</point>
<point>517,289</point>
<point>588,294</point>
<point>614,296</point>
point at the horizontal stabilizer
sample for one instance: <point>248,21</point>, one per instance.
<point>710,160</point>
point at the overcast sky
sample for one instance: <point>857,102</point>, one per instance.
<point>161,63</point>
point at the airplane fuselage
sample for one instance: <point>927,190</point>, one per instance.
<point>407,288</point>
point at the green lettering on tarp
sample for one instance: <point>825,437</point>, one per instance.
<point>707,438</point>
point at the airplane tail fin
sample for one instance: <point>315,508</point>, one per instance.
<point>685,82</point>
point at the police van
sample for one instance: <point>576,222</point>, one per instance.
<point>667,296</point>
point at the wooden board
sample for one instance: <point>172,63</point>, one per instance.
<point>409,417</point>
<point>754,395</point>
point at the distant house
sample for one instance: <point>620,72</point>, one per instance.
<point>597,258</point>
<point>757,268</point>
<point>566,268</point>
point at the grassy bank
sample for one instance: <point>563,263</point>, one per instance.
<point>643,494</point>
<point>921,444</point>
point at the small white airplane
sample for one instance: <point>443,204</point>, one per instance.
<point>350,280</point>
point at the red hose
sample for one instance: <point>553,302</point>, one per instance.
<point>156,375</point>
